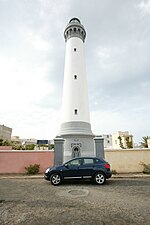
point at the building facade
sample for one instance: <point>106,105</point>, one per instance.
<point>5,133</point>
<point>107,140</point>
<point>120,139</point>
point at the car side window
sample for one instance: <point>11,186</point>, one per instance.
<point>88,161</point>
<point>75,162</point>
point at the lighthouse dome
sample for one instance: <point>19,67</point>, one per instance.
<point>75,29</point>
<point>74,20</point>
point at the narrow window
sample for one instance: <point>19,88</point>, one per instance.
<point>75,77</point>
<point>74,29</point>
<point>75,49</point>
<point>75,111</point>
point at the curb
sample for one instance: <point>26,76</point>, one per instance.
<point>21,177</point>
<point>116,176</point>
<point>131,176</point>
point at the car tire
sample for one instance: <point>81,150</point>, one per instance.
<point>99,178</point>
<point>55,179</point>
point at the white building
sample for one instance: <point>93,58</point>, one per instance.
<point>5,133</point>
<point>107,140</point>
<point>120,139</point>
<point>24,141</point>
<point>148,142</point>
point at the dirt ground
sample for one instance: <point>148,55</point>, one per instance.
<point>37,202</point>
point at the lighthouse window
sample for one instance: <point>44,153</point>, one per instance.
<point>75,77</point>
<point>75,111</point>
<point>74,29</point>
<point>75,49</point>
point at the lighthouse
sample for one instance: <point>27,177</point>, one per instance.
<point>75,122</point>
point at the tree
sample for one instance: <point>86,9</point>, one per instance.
<point>120,142</point>
<point>144,142</point>
<point>51,146</point>
<point>1,142</point>
<point>129,143</point>
<point>4,143</point>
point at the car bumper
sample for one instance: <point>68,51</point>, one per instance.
<point>46,177</point>
<point>108,175</point>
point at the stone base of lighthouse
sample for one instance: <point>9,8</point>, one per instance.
<point>78,140</point>
<point>78,145</point>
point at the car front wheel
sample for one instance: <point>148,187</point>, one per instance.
<point>99,178</point>
<point>55,179</point>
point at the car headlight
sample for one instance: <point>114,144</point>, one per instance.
<point>47,170</point>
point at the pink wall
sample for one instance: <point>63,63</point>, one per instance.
<point>16,161</point>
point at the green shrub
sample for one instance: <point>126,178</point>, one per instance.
<point>114,172</point>
<point>146,168</point>
<point>30,147</point>
<point>32,169</point>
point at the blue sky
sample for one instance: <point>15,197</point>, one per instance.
<point>32,51</point>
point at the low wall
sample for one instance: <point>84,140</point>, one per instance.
<point>16,161</point>
<point>127,160</point>
<point>5,148</point>
<point>123,161</point>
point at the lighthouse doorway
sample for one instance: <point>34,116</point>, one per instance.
<point>76,152</point>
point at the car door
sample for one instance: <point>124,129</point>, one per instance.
<point>87,168</point>
<point>71,169</point>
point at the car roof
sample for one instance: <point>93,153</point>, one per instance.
<point>85,157</point>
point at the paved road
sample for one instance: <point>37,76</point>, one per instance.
<point>37,202</point>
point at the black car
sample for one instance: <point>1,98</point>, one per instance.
<point>96,169</point>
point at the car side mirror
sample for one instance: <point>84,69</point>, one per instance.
<point>66,165</point>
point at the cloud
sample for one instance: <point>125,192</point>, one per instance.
<point>32,51</point>
<point>144,7</point>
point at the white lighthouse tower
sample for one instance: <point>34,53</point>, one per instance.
<point>75,123</point>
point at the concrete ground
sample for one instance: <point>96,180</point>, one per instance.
<point>120,201</point>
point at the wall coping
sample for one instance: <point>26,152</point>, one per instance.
<point>23,151</point>
<point>128,149</point>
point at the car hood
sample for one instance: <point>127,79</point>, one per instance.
<point>55,167</point>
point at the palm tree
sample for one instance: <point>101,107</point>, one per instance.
<point>144,142</point>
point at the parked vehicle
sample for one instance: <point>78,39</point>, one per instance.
<point>96,169</point>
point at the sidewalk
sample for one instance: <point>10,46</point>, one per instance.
<point>40,176</point>
<point>131,175</point>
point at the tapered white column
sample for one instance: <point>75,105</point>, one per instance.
<point>75,123</point>
<point>75,107</point>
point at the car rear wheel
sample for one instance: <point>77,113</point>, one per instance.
<point>99,178</point>
<point>55,179</point>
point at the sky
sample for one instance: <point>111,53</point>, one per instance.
<point>117,54</point>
